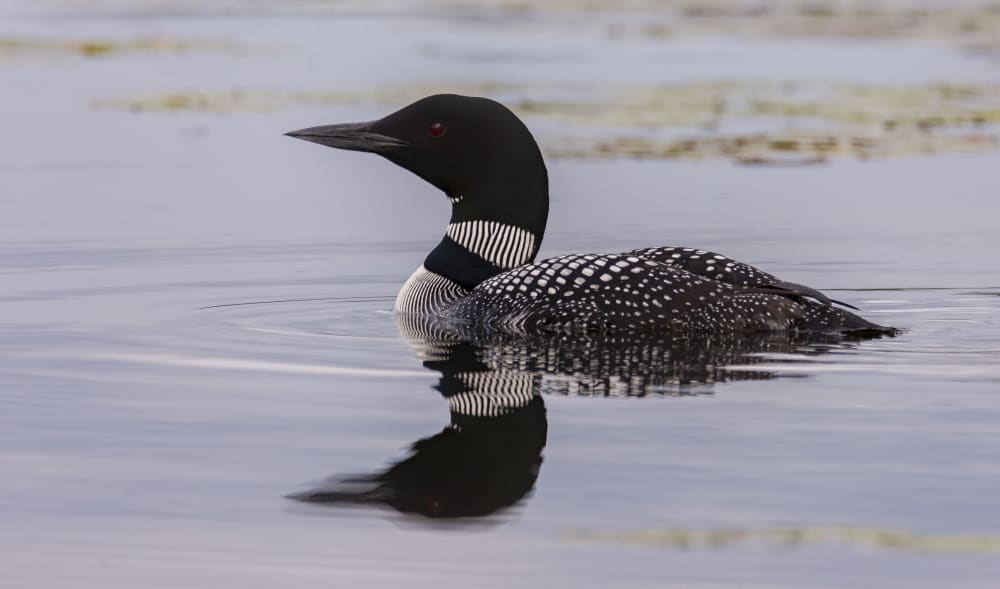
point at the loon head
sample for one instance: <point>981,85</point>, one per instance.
<point>474,149</point>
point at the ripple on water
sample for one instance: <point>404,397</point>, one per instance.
<point>359,336</point>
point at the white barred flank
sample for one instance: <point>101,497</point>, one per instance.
<point>506,246</point>
<point>427,292</point>
<point>491,394</point>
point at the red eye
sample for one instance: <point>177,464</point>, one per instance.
<point>436,129</point>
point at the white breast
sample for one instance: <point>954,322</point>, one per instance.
<point>427,292</point>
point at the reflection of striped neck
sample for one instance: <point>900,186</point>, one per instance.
<point>488,394</point>
<point>504,246</point>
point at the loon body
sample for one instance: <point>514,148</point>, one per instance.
<point>483,271</point>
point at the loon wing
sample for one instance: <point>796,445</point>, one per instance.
<point>707,264</point>
<point>725,269</point>
<point>799,290</point>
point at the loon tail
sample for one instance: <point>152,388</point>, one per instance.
<point>821,317</point>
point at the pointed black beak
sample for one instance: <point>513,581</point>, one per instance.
<point>352,136</point>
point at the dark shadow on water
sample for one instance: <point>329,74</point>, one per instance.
<point>489,456</point>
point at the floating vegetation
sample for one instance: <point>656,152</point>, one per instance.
<point>792,123</point>
<point>21,47</point>
<point>799,537</point>
<point>248,100</point>
<point>780,148</point>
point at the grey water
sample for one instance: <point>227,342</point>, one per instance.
<point>195,321</point>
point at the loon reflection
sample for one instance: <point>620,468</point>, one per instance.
<point>489,456</point>
<point>634,365</point>
<point>486,459</point>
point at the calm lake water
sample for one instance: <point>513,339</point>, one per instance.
<point>195,322</point>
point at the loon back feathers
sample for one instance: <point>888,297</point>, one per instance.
<point>623,292</point>
<point>488,165</point>
<point>617,292</point>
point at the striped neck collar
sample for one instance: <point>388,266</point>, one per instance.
<point>504,246</point>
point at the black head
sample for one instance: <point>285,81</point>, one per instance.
<point>474,149</point>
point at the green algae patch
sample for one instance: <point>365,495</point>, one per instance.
<point>915,107</point>
<point>793,123</point>
<point>242,100</point>
<point>782,148</point>
<point>231,101</point>
<point>15,48</point>
<point>797,537</point>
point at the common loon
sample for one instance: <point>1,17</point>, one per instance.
<point>483,271</point>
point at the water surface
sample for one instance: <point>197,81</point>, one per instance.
<point>194,322</point>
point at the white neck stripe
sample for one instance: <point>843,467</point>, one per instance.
<point>505,246</point>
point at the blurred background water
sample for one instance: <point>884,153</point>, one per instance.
<point>195,311</point>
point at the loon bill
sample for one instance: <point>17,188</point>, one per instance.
<point>483,272</point>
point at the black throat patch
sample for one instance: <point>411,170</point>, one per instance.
<point>451,260</point>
